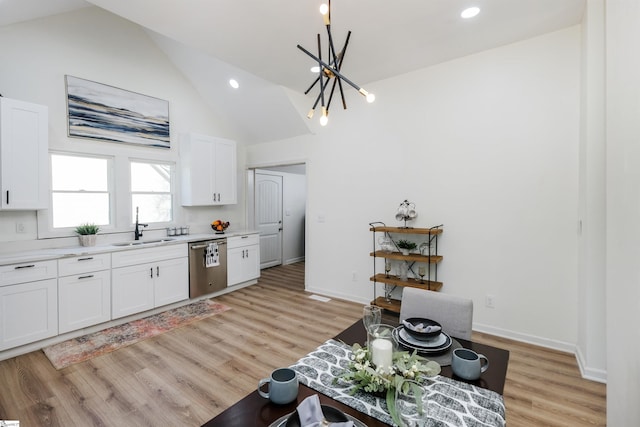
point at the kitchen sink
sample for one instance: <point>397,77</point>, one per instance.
<point>142,242</point>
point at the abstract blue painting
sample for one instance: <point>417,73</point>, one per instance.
<point>100,111</point>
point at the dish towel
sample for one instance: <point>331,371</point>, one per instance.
<point>310,413</point>
<point>211,256</point>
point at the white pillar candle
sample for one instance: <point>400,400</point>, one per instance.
<point>381,353</point>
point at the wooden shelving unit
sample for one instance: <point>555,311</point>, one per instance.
<point>392,281</point>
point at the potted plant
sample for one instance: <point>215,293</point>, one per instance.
<point>406,246</point>
<point>87,234</point>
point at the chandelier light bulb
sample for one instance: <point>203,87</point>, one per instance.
<point>324,119</point>
<point>370,98</point>
<point>324,8</point>
<point>234,83</point>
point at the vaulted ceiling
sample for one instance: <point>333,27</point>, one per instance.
<point>255,42</point>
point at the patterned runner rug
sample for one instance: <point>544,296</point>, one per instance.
<point>98,343</point>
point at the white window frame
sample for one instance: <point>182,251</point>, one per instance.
<point>172,193</point>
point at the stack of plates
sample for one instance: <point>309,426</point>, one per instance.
<point>437,344</point>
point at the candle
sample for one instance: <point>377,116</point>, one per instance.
<point>381,353</point>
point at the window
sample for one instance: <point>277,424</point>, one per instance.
<point>80,190</point>
<point>151,184</point>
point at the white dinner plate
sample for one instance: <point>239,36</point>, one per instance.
<point>421,349</point>
<point>437,341</point>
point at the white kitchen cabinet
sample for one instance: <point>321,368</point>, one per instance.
<point>28,303</point>
<point>146,278</point>
<point>208,170</point>
<point>84,291</point>
<point>24,166</point>
<point>243,259</point>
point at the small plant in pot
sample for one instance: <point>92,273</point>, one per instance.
<point>406,246</point>
<point>87,234</point>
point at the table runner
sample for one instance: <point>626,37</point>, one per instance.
<point>451,402</point>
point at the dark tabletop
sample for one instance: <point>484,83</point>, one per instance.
<point>255,411</point>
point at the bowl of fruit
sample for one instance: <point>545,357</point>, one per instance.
<point>219,226</point>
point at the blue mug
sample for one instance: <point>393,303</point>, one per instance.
<point>282,386</point>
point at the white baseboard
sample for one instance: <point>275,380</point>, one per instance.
<point>293,260</point>
<point>598,375</point>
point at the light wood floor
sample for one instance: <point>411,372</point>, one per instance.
<point>187,376</point>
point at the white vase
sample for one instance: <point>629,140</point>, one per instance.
<point>87,239</point>
<point>404,251</point>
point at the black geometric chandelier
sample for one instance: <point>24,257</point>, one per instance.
<point>330,70</point>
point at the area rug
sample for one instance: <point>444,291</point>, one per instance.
<point>102,342</point>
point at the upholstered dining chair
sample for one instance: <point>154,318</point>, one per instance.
<point>454,313</point>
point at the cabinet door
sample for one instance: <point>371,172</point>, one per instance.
<point>225,172</point>
<point>28,312</point>
<point>84,300</point>
<point>197,157</point>
<point>24,168</point>
<point>208,170</point>
<point>234,266</point>
<point>171,281</point>
<point>243,264</point>
<point>252,262</point>
<point>131,289</point>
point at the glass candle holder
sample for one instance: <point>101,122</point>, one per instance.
<point>381,345</point>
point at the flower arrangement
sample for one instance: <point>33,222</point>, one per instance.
<point>219,225</point>
<point>407,369</point>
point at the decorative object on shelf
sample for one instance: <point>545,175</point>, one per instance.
<point>219,226</point>
<point>406,246</point>
<point>87,234</point>
<point>406,211</point>
<point>330,70</point>
<point>100,111</point>
<point>405,367</point>
<point>386,245</point>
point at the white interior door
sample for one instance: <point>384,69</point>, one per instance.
<point>269,218</point>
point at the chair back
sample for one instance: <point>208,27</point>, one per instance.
<point>454,313</point>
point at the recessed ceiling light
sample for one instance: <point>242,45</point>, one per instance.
<point>234,83</point>
<point>470,12</point>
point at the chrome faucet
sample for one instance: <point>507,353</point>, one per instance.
<point>138,230</point>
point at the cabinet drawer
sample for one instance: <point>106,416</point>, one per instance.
<point>144,255</point>
<point>83,264</point>
<point>239,241</point>
<point>28,272</point>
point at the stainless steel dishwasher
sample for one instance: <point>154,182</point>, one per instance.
<point>207,267</point>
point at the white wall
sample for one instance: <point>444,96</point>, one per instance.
<point>592,198</point>
<point>96,45</point>
<point>623,212</point>
<point>487,145</point>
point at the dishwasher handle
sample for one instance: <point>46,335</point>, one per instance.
<point>206,245</point>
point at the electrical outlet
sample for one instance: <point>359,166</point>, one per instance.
<point>20,227</point>
<point>489,301</point>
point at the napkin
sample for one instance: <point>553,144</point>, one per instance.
<point>420,327</point>
<point>310,413</point>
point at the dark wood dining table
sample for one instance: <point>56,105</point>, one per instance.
<point>256,411</point>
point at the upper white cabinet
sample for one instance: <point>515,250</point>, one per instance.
<point>208,166</point>
<point>24,169</point>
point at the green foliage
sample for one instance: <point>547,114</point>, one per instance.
<point>85,229</point>
<point>407,371</point>
<point>406,244</point>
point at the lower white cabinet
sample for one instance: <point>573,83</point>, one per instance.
<point>140,287</point>
<point>84,291</point>
<point>28,312</point>
<point>84,300</point>
<point>243,259</point>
